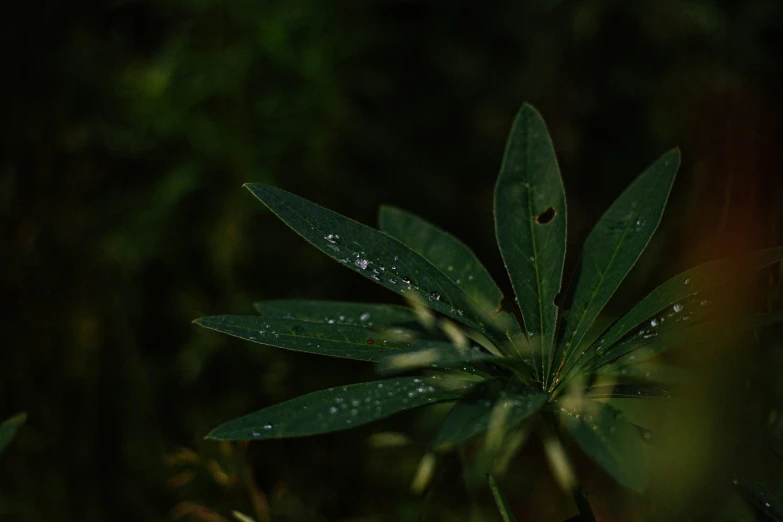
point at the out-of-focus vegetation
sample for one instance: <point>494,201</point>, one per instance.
<point>129,127</point>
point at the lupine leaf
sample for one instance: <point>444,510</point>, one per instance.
<point>530,225</point>
<point>335,340</point>
<point>613,247</point>
<point>447,253</point>
<point>681,287</point>
<point>340,408</point>
<point>610,440</point>
<point>337,312</point>
<point>377,256</point>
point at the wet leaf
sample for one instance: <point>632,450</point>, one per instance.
<point>337,312</point>
<point>347,341</point>
<point>530,225</point>
<point>340,408</point>
<point>377,256</point>
<point>680,288</point>
<point>447,253</point>
<point>604,434</point>
<point>613,247</point>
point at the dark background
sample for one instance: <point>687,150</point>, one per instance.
<point>128,128</point>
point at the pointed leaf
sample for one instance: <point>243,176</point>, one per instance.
<point>9,428</point>
<point>340,408</point>
<point>505,512</point>
<point>337,312</point>
<point>681,287</point>
<point>335,340</point>
<point>638,349</point>
<point>376,256</point>
<point>447,253</point>
<point>471,416</point>
<point>614,245</point>
<point>530,225</point>
<point>611,441</point>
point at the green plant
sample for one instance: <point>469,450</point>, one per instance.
<point>502,376</point>
<point>9,428</point>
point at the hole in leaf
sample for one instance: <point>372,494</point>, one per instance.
<point>546,216</point>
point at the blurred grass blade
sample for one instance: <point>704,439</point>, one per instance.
<point>472,415</point>
<point>530,225</point>
<point>376,256</point>
<point>340,408</point>
<point>346,341</point>
<point>363,314</point>
<point>500,500</point>
<point>628,390</point>
<point>9,428</point>
<point>613,247</point>
<point>447,253</point>
<point>680,287</point>
<point>612,442</point>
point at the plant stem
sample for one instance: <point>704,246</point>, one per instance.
<point>577,491</point>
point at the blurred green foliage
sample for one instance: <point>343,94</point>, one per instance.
<point>129,127</point>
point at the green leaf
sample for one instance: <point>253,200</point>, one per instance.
<point>472,415</point>
<point>530,225</point>
<point>346,341</point>
<point>378,257</point>
<point>447,253</point>
<point>340,408</point>
<point>760,499</point>
<point>337,312</point>
<point>613,247</point>
<point>604,434</point>
<point>679,288</point>
<point>9,428</point>
<point>500,500</point>
<point>721,330</point>
<point>628,390</point>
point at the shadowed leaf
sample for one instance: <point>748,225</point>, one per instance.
<point>530,225</point>
<point>376,256</point>
<point>613,247</point>
<point>340,408</point>
<point>445,252</point>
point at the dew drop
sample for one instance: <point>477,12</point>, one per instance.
<point>654,323</point>
<point>256,434</point>
<point>361,263</point>
<point>647,435</point>
<point>406,280</point>
<point>365,316</point>
<point>267,426</point>
<point>333,410</point>
<point>435,295</point>
<point>687,281</point>
<point>677,308</point>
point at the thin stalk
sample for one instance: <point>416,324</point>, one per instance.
<point>576,489</point>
